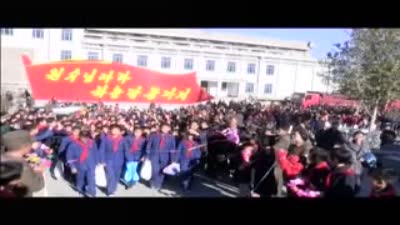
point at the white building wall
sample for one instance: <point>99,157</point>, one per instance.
<point>285,80</point>
<point>294,71</point>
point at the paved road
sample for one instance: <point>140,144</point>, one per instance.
<point>202,187</point>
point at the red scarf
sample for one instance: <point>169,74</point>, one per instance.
<point>115,142</point>
<point>347,172</point>
<point>41,127</point>
<point>162,141</point>
<point>72,137</point>
<point>135,146</point>
<point>85,150</point>
<point>189,145</point>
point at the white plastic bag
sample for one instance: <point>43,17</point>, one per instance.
<point>59,169</point>
<point>145,172</point>
<point>172,169</point>
<point>100,173</point>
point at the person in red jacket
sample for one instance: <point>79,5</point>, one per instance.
<point>292,162</point>
<point>311,184</point>
<point>382,183</point>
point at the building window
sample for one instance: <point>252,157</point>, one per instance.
<point>38,33</point>
<point>188,64</point>
<point>142,60</point>
<point>231,67</point>
<point>268,89</point>
<point>251,68</point>
<point>210,65</point>
<point>270,69</point>
<point>224,86</point>
<point>118,58</point>
<point>7,31</point>
<point>66,34</point>
<point>93,56</point>
<point>249,87</point>
<point>165,62</point>
<point>66,55</point>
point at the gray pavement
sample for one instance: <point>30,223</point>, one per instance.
<point>202,187</point>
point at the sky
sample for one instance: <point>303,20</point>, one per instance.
<point>321,39</point>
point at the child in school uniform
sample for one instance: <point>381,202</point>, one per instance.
<point>189,159</point>
<point>113,150</point>
<point>81,157</point>
<point>134,151</point>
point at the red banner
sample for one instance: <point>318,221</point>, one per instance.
<point>91,81</point>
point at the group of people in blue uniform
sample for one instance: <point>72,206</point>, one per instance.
<point>118,153</point>
<point>120,150</point>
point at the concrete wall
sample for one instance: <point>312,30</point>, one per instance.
<point>13,75</point>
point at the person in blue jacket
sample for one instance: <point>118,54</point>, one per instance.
<point>134,151</point>
<point>63,149</point>
<point>188,156</point>
<point>159,147</point>
<point>112,146</point>
<point>82,161</point>
<point>73,135</point>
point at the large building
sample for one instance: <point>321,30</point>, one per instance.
<point>227,66</point>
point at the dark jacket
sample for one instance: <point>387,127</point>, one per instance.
<point>329,138</point>
<point>341,182</point>
<point>32,180</point>
<point>317,175</point>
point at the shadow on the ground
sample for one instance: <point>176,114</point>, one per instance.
<point>202,186</point>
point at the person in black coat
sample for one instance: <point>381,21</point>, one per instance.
<point>331,137</point>
<point>342,180</point>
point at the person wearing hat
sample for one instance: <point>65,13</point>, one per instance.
<point>17,144</point>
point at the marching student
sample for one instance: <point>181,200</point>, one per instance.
<point>112,146</point>
<point>81,156</point>
<point>134,151</point>
<point>342,180</point>
<point>63,149</point>
<point>158,150</point>
<point>188,156</point>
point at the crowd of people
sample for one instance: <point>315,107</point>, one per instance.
<point>267,151</point>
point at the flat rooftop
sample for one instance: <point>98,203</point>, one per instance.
<point>210,36</point>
